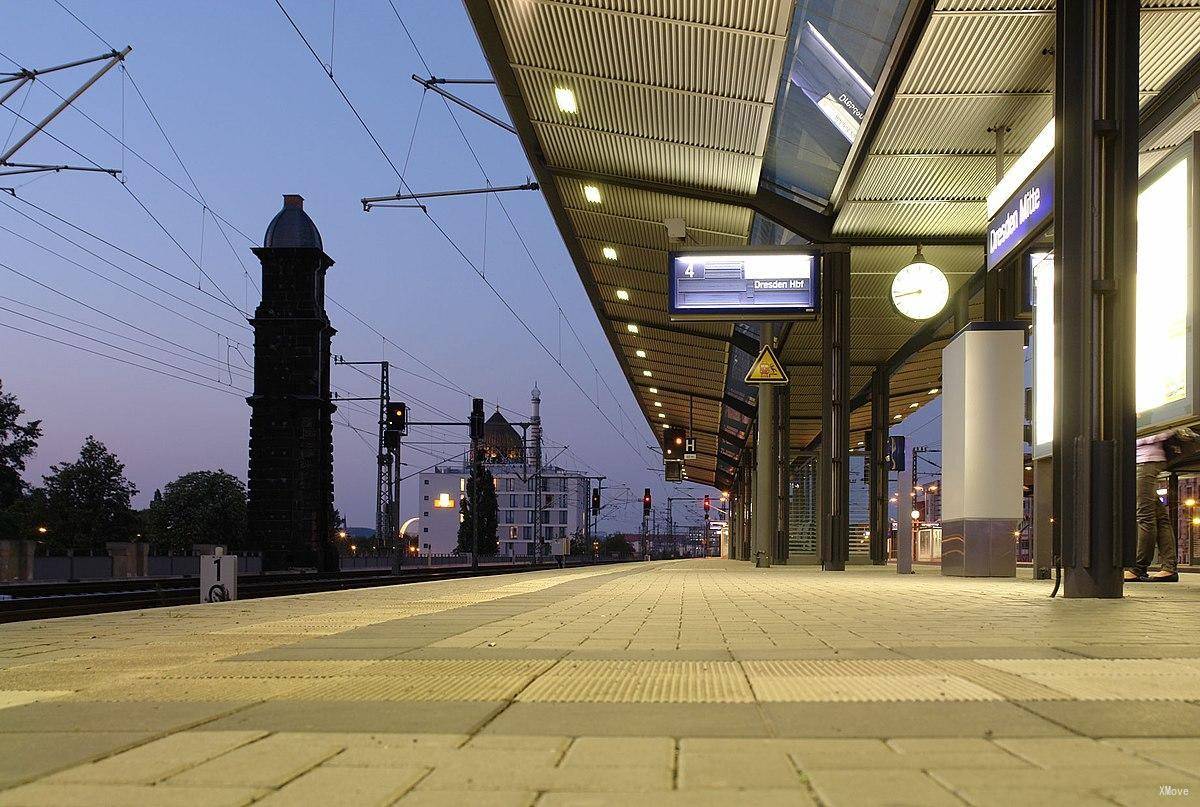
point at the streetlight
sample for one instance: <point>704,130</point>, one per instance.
<point>42,530</point>
<point>916,514</point>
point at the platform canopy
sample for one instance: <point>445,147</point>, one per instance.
<point>713,112</point>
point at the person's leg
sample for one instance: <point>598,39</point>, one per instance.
<point>1167,549</point>
<point>1148,506</point>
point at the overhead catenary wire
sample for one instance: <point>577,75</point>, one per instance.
<point>137,199</point>
<point>450,240</point>
<point>512,223</point>
<point>222,222</point>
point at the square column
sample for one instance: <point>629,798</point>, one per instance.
<point>983,417</point>
<point>766,470</point>
<point>877,470</point>
<point>1095,255</point>
<point>835,409</point>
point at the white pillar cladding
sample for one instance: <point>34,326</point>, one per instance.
<point>983,404</point>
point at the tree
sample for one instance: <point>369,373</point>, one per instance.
<point>480,498</point>
<point>615,546</point>
<point>201,507</point>
<point>18,442</point>
<point>87,501</point>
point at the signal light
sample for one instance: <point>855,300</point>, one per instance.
<point>477,418</point>
<point>673,442</point>
<point>595,502</point>
<point>707,503</point>
<point>646,502</point>
<point>397,417</point>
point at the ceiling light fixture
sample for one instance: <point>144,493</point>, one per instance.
<point>631,328</point>
<point>592,194</point>
<point>641,354</point>
<point>609,253</point>
<point>565,98</point>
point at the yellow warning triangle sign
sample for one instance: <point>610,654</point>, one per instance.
<point>767,369</point>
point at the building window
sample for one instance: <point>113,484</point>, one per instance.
<point>426,498</point>
<point>424,529</point>
<point>527,532</point>
<point>444,502</point>
<point>426,514</point>
<point>426,481</point>
<point>512,500</point>
<point>529,500</point>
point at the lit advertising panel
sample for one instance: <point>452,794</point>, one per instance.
<point>1165,386</point>
<point>771,283</point>
<point>1041,267</point>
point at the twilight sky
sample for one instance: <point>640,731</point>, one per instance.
<point>253,116</point>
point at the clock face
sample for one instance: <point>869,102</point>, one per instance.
<point>920,290</point>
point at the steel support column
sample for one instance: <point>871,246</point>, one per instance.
<point>877,471</point>
<point>904,510</point>
<point>783,484</point>
<point>835,410</point>
<point>766,471</point>
<point>1095,241</point>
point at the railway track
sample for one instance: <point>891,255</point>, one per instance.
<point>26,601</point>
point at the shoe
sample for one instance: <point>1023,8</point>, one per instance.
<point>1163,577</point>
<point>1134,577</point>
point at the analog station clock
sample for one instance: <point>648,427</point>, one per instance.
<point>920,290</point>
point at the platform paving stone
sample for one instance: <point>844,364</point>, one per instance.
<point>671,683</point>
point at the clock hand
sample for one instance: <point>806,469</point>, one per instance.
<point>909,293</point>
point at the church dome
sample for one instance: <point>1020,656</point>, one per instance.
<point>291,226</point>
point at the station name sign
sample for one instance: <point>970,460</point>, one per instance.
<point>771,283</point>
<point>1023,215</point>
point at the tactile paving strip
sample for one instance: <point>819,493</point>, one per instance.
<point>641,682</point>
<point>469,668</point>
<point>810,667</point>
<point>1086,666</point>
<point>265,669</point>
<point>413,688</point>
<point>194,689</point>
<point>865,688</point>
<point>1011,686</point>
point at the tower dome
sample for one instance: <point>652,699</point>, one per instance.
<point>291,226</point>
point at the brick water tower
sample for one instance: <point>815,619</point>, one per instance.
<point>290,511</point>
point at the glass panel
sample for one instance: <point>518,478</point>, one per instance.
<point>836,52</point>
<point>802,513</point>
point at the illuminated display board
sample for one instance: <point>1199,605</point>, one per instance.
<point>770,283</point>
<point>1165,386</point>
<point>1041,267</point>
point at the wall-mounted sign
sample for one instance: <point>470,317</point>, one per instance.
<point>1023,216</point>
<point>773,283</point>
